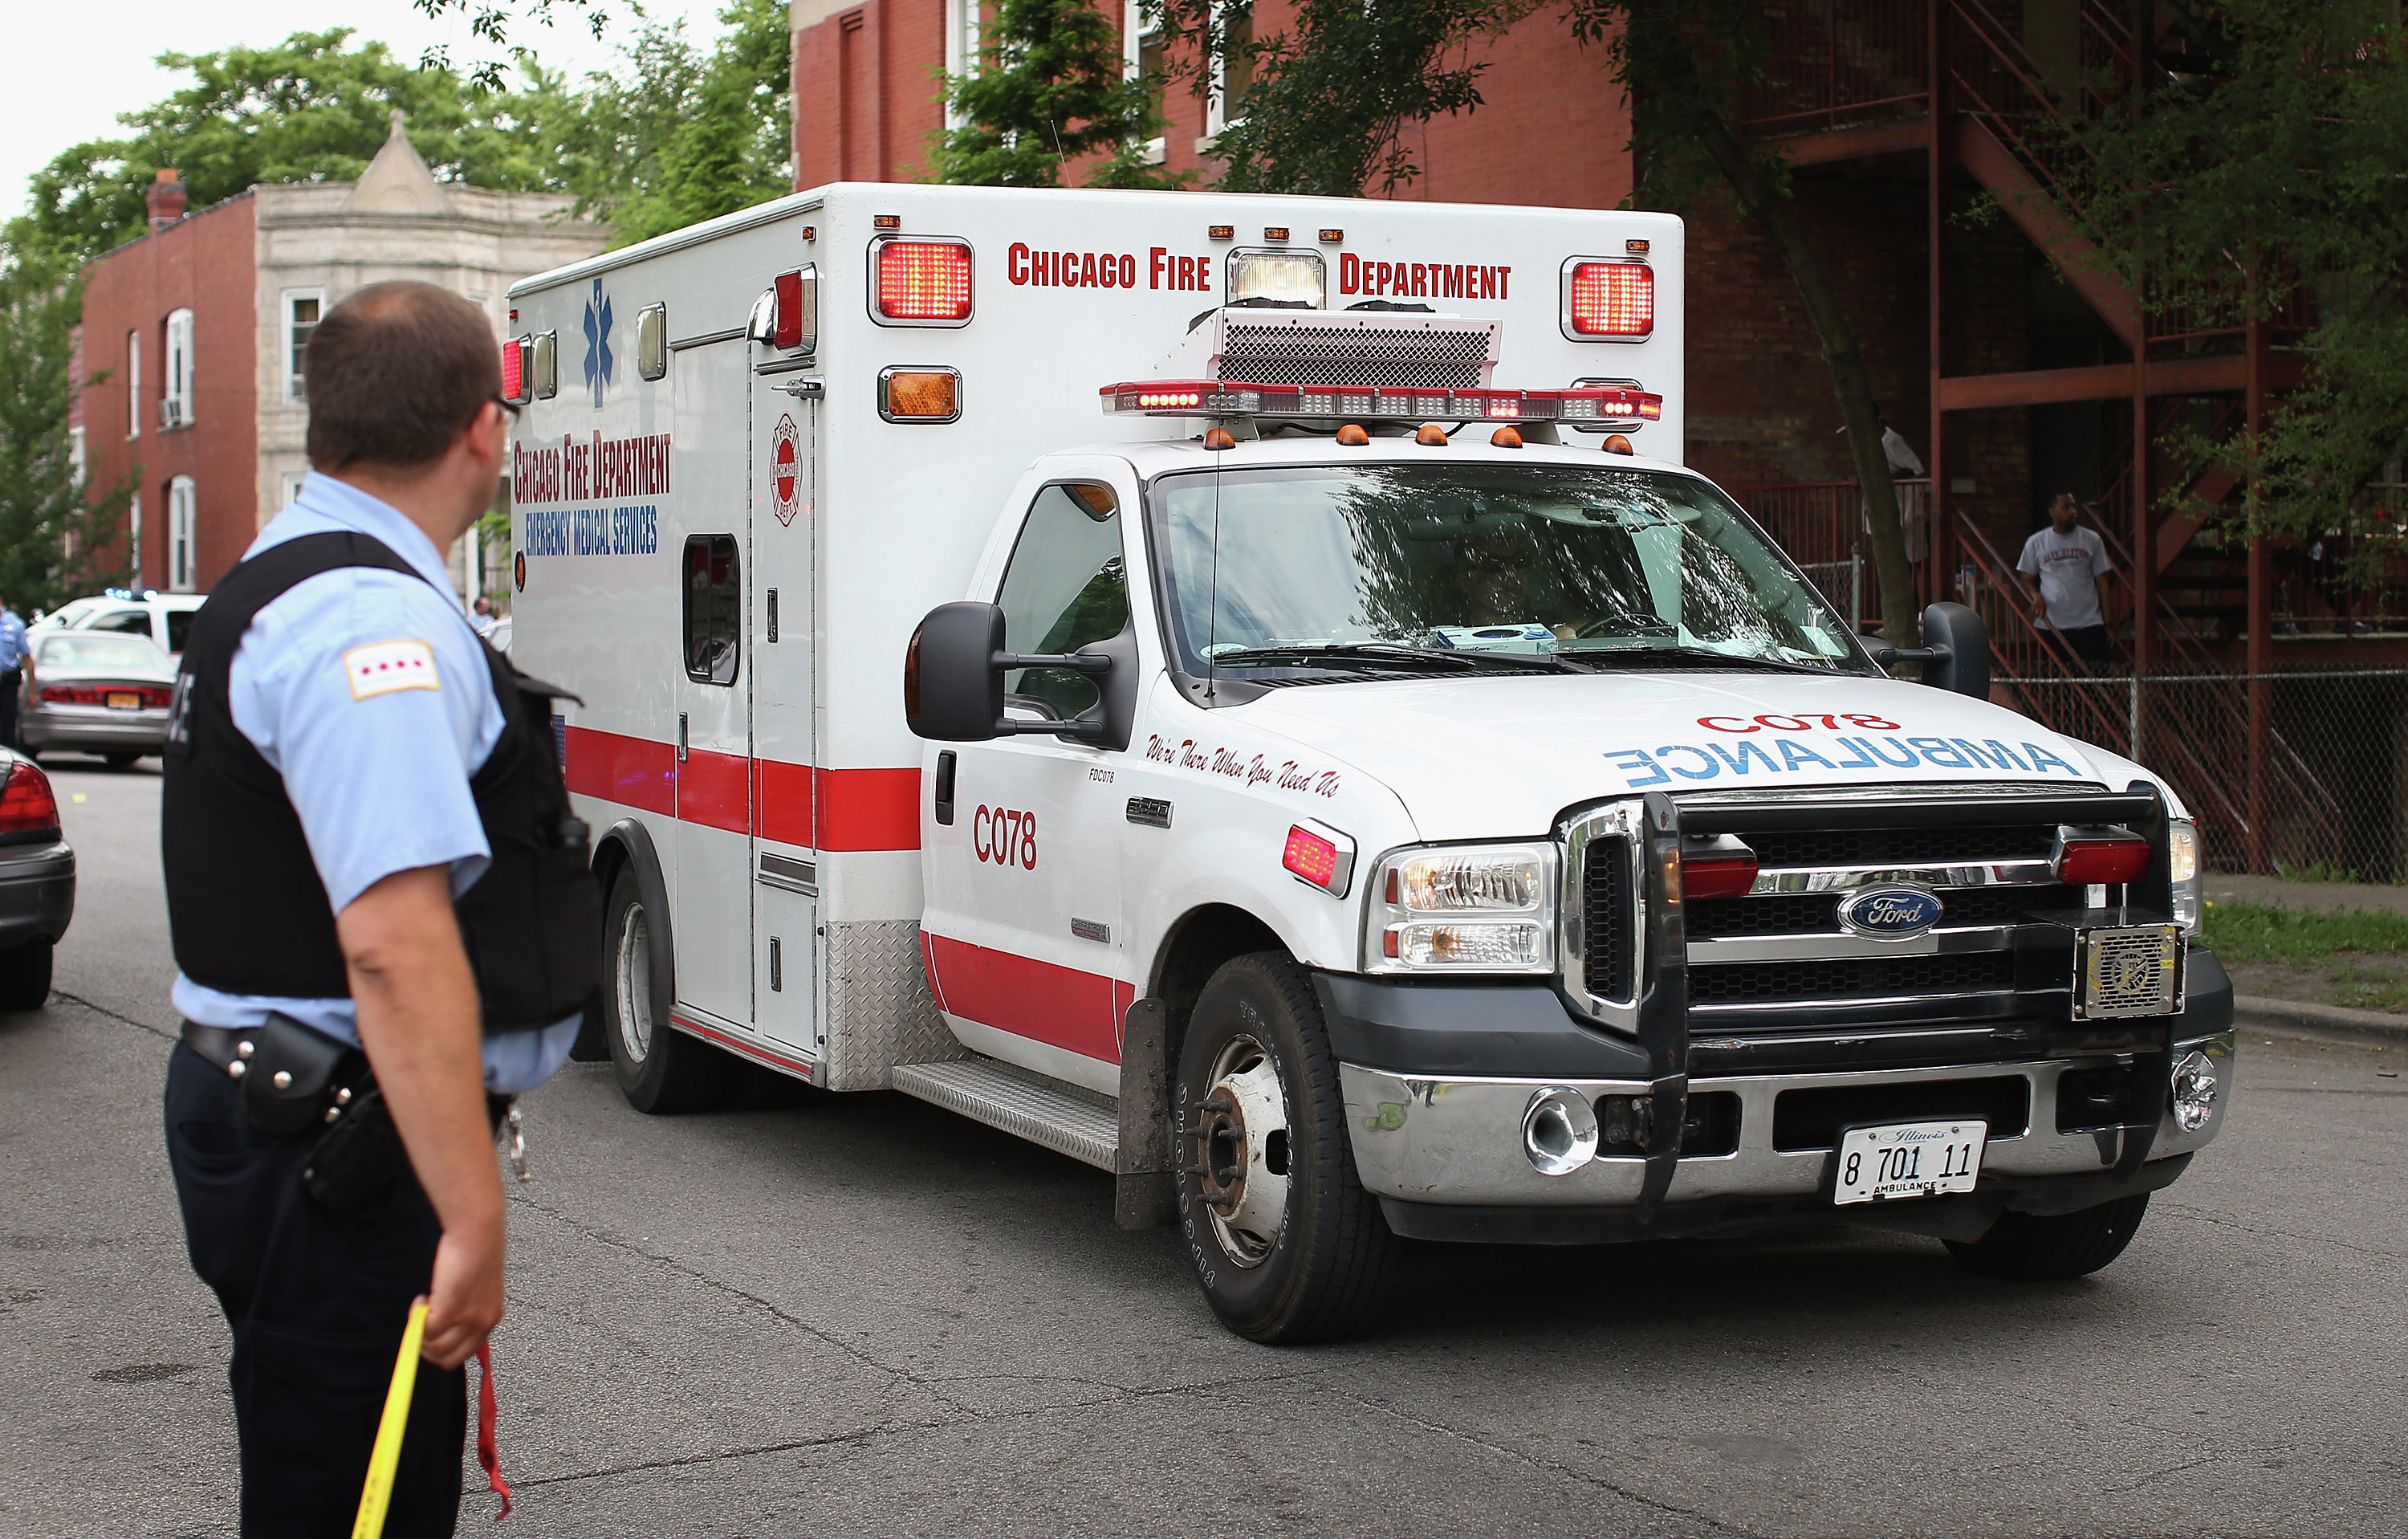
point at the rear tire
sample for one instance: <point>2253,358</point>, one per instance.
<point>661,1070</point>
<point>122,761</point>
<point>1286,1243</point>
<point>26,976</point>
<point>2024,1249</point>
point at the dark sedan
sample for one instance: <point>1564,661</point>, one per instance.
<point>102,692</point>
<point>38,881</point>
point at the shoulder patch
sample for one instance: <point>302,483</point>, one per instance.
<point>383,667</point>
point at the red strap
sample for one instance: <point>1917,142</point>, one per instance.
<point>489,1453</point>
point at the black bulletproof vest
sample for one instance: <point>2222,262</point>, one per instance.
<point>245,905</point>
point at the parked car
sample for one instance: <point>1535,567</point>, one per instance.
<point>166,618</point>
<point>38,883</point>
<point>102,692</point>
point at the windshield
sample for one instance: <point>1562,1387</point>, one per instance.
<point>1544,566</point>
<point>100,649</point>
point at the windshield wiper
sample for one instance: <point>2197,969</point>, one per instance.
<point>1643,657</point>
<point>1393,654</point>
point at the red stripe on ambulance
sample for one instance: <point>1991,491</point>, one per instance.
<point>1060,1006</point>
<point>849,810</point>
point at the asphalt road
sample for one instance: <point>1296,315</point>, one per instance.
<point>858,1315</point>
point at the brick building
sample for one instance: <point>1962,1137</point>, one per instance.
<point>197,328</point>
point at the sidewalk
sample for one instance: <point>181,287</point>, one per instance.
<point>2315,996</point>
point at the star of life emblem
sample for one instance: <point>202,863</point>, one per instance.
<point>785,471</point>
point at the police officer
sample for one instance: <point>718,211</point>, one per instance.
<point>12,672</point>
<point>382,920</point>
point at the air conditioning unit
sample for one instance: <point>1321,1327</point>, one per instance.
<point>175,411</point>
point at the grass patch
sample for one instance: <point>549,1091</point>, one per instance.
<point>2251,932</point>
<point>2370,988</point>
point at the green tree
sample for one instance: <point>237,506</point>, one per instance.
<point>1051,88</point>
<point>2270,156</point>
<point>58,538</point>
<point>489,22</point>
<point>1328,102</point>
<point>677,135</point>
<point>309,108</point>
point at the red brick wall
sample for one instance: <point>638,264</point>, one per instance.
<point>206,263</point>
<point>867,91</point>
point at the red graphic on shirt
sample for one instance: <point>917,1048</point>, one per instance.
<point>786,470</point>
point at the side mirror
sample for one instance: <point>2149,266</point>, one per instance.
<point>1956,651</point>
<point>953,681</point>
<point>953,692</point>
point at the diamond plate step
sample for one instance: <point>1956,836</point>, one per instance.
<point>1021,1104</point>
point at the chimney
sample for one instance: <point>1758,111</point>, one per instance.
<point>166,200</point>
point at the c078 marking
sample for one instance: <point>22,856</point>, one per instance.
<point>1801,722</point>
<point>1001,836</point>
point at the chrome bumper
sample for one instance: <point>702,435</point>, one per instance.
<point>1458,1142</point>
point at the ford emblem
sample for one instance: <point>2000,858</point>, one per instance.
<point>1889,913</point>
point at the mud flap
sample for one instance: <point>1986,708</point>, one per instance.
<point>1145,1189</point>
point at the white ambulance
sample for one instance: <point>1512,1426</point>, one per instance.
<point>1355,784</point>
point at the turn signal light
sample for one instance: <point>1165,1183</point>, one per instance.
<point>1319,857</point>
<point>1718,874</point>
<point>2082,862</point>
<point>923,281</point>
<point>26,804</point>
<point>1611,300</point>
<point>919,395</point>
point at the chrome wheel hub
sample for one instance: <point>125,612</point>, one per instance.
<point>631,977</point>
<point>1243,1146</point>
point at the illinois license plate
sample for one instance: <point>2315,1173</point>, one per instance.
<point>124,700</point>
<point>1909,1159</point>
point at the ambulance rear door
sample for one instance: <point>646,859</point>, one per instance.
<point>785,880</point>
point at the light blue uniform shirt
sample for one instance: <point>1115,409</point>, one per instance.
<point>12,641</point>
<point>378,776</point>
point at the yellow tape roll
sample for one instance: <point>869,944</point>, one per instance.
<point>378,1493</point>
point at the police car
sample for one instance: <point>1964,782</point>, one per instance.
<point>1357,784</point>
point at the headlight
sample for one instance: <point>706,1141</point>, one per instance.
<point>2182,852</point>
<point>1486,908</point>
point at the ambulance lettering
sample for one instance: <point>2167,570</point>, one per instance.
<point>1249,770</point>
<point>1422,280</point>
<point>1673,763</point>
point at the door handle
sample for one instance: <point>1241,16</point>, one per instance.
<point>802,390</point>
<point>681,736</point>
<point>945,763</point>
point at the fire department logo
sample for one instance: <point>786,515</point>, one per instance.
<point>785,471</point>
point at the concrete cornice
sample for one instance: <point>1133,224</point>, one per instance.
<point>804,14</point>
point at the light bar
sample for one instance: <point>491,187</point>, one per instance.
<point>920,283</point>
<point>1609,301</point>
<point>1239,398</point>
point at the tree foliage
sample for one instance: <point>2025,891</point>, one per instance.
<point>1330,101</point>
<point>1051,89</point>
<point>58,538</point>
<point>489,22</point>
<point>2270,158</point>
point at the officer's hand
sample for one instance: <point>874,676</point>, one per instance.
<point>466,1303</point>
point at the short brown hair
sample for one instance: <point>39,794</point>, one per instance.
<point>394,372</point>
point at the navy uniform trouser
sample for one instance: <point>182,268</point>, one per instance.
<point>317,1304</point>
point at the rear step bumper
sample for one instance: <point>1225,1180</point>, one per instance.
<point>1025,1105</point>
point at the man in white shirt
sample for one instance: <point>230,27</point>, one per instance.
<point>2064,569</point>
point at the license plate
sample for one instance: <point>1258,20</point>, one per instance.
<point>124,700</point>
<point>1909,1159</point>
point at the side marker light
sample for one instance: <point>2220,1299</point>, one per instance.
<point>1220,438</point>
<point>1505,438</point>
<point>1352,436</point>
<point>1616,444</point>
<point>1321,856</point>
<point>1432,434</point>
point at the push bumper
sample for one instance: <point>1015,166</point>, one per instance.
<point>1437,1087</point>
<point>37,890</point>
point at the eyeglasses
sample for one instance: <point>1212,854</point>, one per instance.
<point>510,406</point>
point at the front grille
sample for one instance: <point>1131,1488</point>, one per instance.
<point>1817,912</point>
<point>1901,847</point>
<point>1852,978</point>
<point>1387,357</point>
<point>1609,939</point>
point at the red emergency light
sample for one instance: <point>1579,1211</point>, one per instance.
<point>1610,301</point>
<point>1242,398</point>
<point>1718,873</point>
<point>2111,858</point>
<point>923,283</point>
<point>515,369</point>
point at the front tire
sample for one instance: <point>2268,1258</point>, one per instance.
<point>1286,1243</point>
<point>661,1070</point>
<point>122,761</point>
<point>26,976</point>
<point>2021,1247</point>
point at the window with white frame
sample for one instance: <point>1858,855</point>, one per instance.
<point>182,535</point>
<point>77,461</point>
<point>133,536</point>
<point>291,488</point>
<point>302,307</point>
<point>961,49</point>
<point>1141,53</point>
<point>133,384</point>
<point>176,397</point>
<point>1233,72</point>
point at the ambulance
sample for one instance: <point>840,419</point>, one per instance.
<point>1241,691</point>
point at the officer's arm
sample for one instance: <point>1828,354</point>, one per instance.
<point>418,1019</point>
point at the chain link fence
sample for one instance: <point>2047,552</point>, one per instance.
<point>2328,786</point>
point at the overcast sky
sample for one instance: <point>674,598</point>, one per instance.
<point>76,69</point>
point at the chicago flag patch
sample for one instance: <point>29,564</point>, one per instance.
<point>383,667</point>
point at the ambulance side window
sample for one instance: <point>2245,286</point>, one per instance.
<point>1066,587</point>
<point>713,604</point>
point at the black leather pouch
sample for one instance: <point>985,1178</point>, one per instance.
<point>290,1074</point>
<point>359,1159</point>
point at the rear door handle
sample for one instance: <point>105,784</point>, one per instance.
<point>681,736</point>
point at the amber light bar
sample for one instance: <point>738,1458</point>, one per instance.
<point>1238,398</point>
